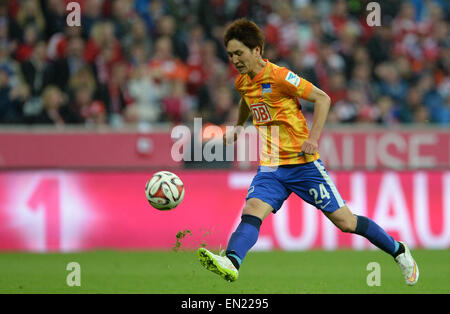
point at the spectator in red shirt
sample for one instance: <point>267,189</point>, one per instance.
<point>102,35</point>
<point>119,96</point>
<point>25,48</point>
<point>165,61</point>
<point>282,30</point>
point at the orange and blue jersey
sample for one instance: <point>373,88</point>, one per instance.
<point>273,98</point>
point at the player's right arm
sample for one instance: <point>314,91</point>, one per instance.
<point>243,115</point>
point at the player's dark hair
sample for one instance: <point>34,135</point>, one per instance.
<point>245,31</point>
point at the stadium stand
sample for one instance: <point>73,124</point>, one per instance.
<point>140,61</point>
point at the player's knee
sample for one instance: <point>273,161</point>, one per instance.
<point>251,207</point>
<point>255,207</point>
<point>347,226</point>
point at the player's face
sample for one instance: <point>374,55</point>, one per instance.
<point>243,58</point>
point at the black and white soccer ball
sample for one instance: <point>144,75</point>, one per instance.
<point>164,190</point>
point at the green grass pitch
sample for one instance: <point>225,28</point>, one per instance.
<point>170,272</point>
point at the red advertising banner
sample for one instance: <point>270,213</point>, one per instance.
<point>381,149</point>
<point>85,150</point>
<point>72,211</point>
<point>340,149</point>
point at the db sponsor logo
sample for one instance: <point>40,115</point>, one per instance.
<point>260,112</point>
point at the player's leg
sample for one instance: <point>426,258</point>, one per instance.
<point>241,241</point>
<point>247,233</point>
<point>317,188</point>
<point>266,194</point>
<point>314,185</point>
<point>344,219</point>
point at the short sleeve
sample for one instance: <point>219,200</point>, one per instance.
<point>293,85</point>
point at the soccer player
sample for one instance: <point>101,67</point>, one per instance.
<point>290,163</point>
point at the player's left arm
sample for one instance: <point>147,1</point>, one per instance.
<point>321,107</point>
<point>294,86</point>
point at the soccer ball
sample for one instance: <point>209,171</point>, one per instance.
<point>164,190</point>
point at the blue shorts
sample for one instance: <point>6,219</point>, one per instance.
<point>309,181</point>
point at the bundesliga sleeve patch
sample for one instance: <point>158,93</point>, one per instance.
<point>293,79</point>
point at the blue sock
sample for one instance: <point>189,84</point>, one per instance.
<point>376,235</point>
<point>243,239</point>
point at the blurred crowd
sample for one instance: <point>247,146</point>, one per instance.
<point>151,61</point>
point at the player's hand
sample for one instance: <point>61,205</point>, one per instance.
<point>309,148</point>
